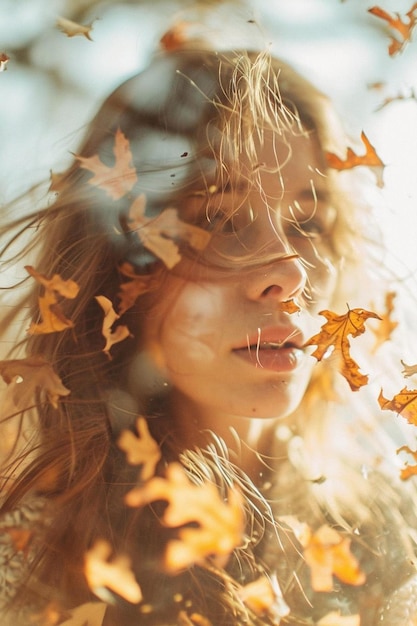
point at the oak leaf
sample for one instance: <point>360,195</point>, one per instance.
<point>404,403</point>
<point>220,524</point>
<point>117,180</point>
<point>120,333</point>
<point>53,319</point>
<point>369,159</point>
<point>25,376</point>
<point>333,338</point>
<point>387,326</point>
<point>115,574</point>
<point>409,370</point>
<point>72,29</point>
<point>4,59</point>
<point>402,28</point>
<point>159,234</point>
<point>336,619</point>
<point>142,450</point>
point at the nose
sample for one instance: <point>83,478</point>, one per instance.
<point>280,280</point>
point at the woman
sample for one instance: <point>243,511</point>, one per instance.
<point>215,229</point>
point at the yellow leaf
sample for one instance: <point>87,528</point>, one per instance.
<point>142,450</point>
<point>404,402</point>
<point>258,595</point>
<point>110,317</point>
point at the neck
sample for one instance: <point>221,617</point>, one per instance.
<point>248,440</point>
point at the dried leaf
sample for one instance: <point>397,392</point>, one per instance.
<point>387,326</point>
<point>289,306</point>
<point>404,403</point>
<point>114,574</point>
<point>137,286</point>
<point>25,376</point>
<point>120,333</point>
<point>159,234</point>
<point>333,338</point>
<point>118,180</point>
<point>408,470</point>
<point>403,29</point>
<point>370,159</point>
<point>53,319</point>
<point>4,59</point>
<point>259,595</point>
<point>409,370</point>
<point>336,619</point>
<point>72,29</point>
<point>142,450</point>
<point>220,524</point>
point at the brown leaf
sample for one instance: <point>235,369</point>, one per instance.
<point>409,370</point>
<point>336,619</point>
<point>72,29</point>
<point>333,338</point>
<point>258,595</point>
<point>403,29</point>
<point>114,574</point>
<point>118,180</point>
<point>289,306</point>
<point>25,376</point>
<point>370,159</point>
<point>404,403</point>
<point>53,319</point>
<point>159,234</point>
<point>220,524</point>
<point>132,289</point>
<point>142,450</point>
<point>4,59</point>
<point>408,470</point>
<point>387,326</point>
<point>120,333</point>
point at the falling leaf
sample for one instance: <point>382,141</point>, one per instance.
<point>4,59</point>
<point>159,234</point>
<point>118,180</point>
<point>115,574</point>
<point>142,450</point>
<point>259,595</point>
<point>369,159</point>
<point>387,326</point>
<point>72,29</point>
<point>409,370</point>
<point>335,619</point>
<point>408,470</point>
<point>289,306</point>
<point>120,333</point>
<point>404,403</point>
<point>137,286</point>
<point>25,376</point>
<point>402,28</point>
<point>53,319</point>
<point>333,338</point>
<point>220,524</point>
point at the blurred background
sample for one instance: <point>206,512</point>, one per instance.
<point>53,83</point>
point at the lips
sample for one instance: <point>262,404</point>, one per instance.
<point>277,349</point>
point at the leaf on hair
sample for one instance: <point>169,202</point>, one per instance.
<point>118,180</point>
<point>333,339</point>
<point>120,333</point>
<point>142,449</point>
<point>132,289</point>
<point>220,524</point>
<point>402,29</point>
<point>25,376</point>
<point>103,572</point>
<point>72,29</point>
<point>369,159</point>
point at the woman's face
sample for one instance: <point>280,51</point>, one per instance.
<point>220,335</point>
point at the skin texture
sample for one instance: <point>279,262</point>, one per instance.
<point>210,329</point>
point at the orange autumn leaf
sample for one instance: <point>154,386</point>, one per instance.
<point>333,339</point>
<point>52,318</point>
<point>403,29</point>
<point>120,333</point>
<point>220,524</point>
<point>409,470</point>
<point>160,234</point>
<point>72,29</point>
<point>4,59</point>
<point>112,573</point>
<point>334,618</point>
<point>258,596</point>
<point>142,450</point>
<point>289,306</point>
<point>369,159</point>
<point>131,290</point>
<point>25,376</point>
<point>404,403</point>
<point>117,180</point>
<point>387,326</point>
